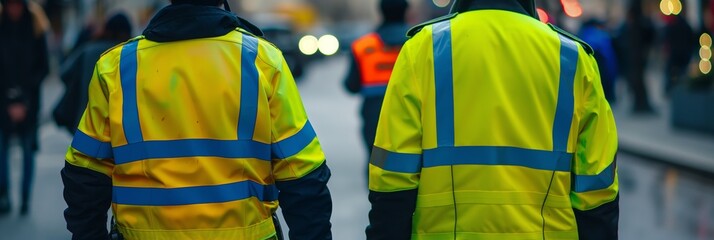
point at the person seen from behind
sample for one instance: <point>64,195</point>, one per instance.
<point>195,130</point>
<point>373,57</point>
<point>494,126</point>
<point>681,45</point>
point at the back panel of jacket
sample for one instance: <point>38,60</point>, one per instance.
<point>487,94</point>
<point>504,99</point>
<point>182,131</point>
<point>196,136</point>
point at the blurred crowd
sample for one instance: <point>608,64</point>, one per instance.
<point>648,41</point>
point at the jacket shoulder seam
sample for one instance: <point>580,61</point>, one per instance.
<point>416,29</point>
<point>588,49</point>
<point>122,44</point>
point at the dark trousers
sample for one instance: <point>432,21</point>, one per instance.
<point>27,143</point>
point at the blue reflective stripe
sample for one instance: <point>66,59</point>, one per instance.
<point>402,162</point>
<point>249,88</point>
<point>584,183</point>
<point>444,83</point>
<point>191,148</point>
<point>566,102</point>
<point>396,162</point>
<point>490,155</point>
<point>130,111</point>
<point>90,146</point>
<point>193,195</point>
<point>372,91</point>
<point>295,143</point>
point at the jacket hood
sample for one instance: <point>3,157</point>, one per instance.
<point>187,21</point>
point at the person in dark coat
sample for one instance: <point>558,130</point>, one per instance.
<point>681,44</point>
<point>592,32</point>
<point>638,33</point>
<point>392,32</point>
<point>23,66</point>
<point>78,68</point>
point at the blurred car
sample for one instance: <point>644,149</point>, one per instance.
<point>281,32</point>
<point>284,38</point>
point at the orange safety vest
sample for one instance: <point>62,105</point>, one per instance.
<point>376,61</point>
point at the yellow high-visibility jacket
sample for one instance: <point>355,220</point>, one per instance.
<point>195,152</point>
<point>501,125</point>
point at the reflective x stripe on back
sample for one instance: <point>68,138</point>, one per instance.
<point>130,111</point>
<point>249,88</point>
<point>137,149</point>
<point>447,153</point>
<point>243,147</point>
<point>444,84</point>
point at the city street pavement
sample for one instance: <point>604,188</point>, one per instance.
<point>661,202</point>
<point>653,137</point>
<point>45,220</point>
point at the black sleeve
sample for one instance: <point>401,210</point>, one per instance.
<point>600,222</point>
<point>353,82</point>
<point>391,215</point>
<point>307,205</point>
<point>88,195</point>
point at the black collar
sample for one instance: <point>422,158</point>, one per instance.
<point>506,5</point>
<point>187,21</point>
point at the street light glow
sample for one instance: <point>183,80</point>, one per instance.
<point>308,45</point>
<point>572,8</point>
<point>705,66</point>
<point>328,44</point>
<point>705,53</point>
<point>705,40</point>
<point>670,7</point>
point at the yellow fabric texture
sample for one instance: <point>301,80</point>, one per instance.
<point>506,68</point>
<point>191,91</point>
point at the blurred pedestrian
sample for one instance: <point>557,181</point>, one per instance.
<point>77,70</point>
<point>494,126</point>
<point>23,65</point>
<point>638,34</point>
<point>373,57</point>
<point>681,45</point>
<point>594,33</point>
<point>195,130</point>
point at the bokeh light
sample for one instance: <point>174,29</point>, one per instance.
<point>441,3</point>
<point>542,15</point>
<point>705,40</point>
<point>328,44</point>
<point>670,7</point>
<point>705,52</point>
<point>308,45</point>
<point>705,66</point>
<point>572,8</point>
